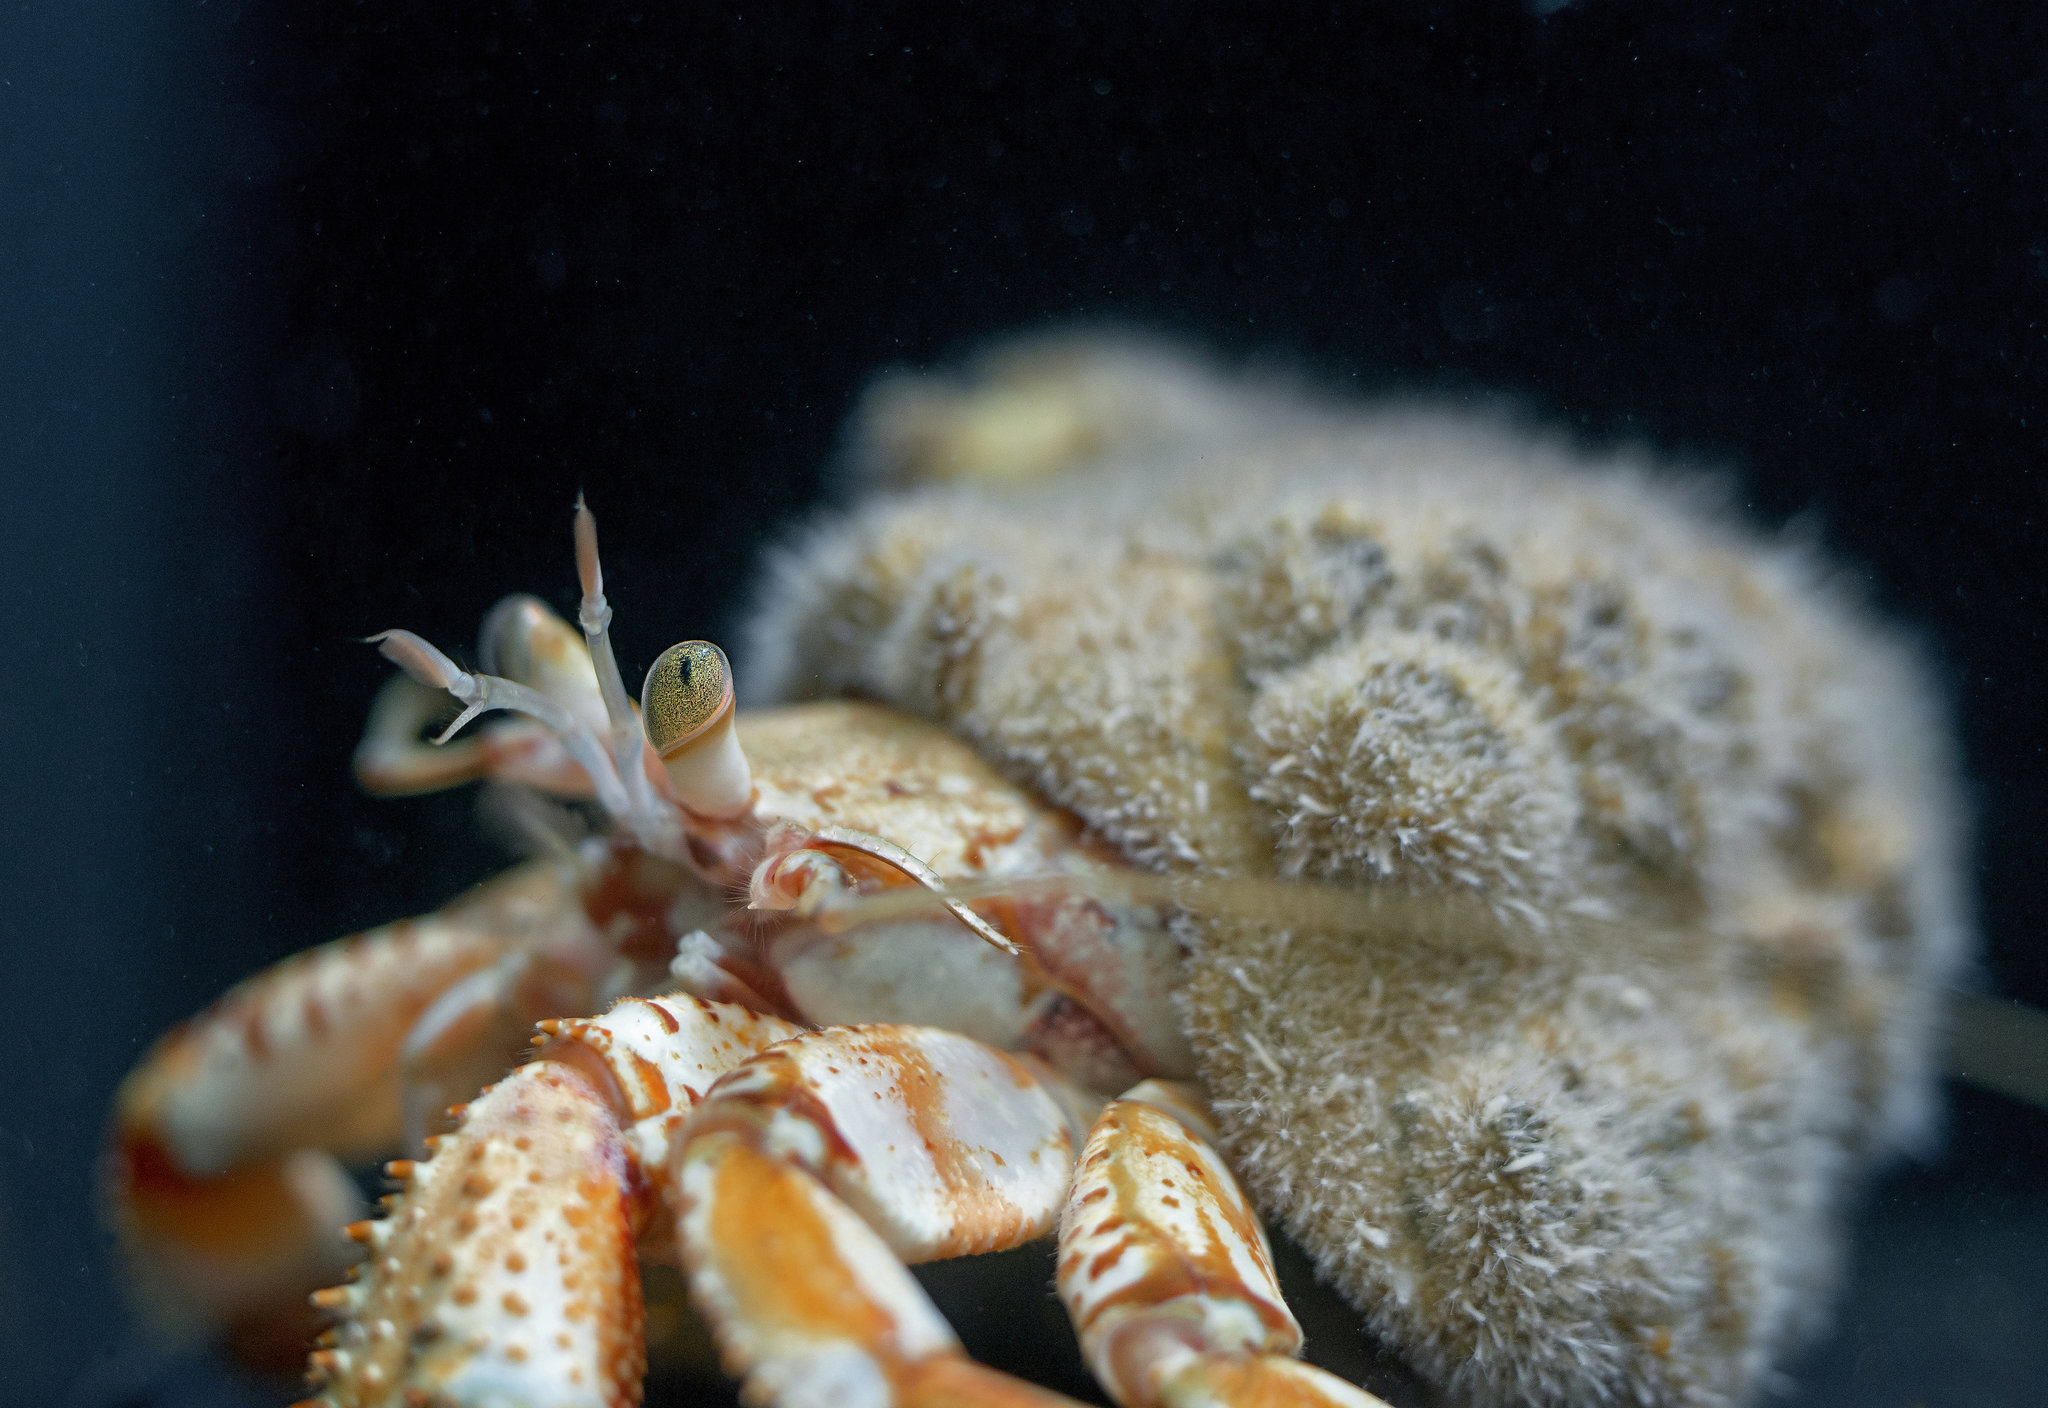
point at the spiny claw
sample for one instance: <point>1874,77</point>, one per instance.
<point>477,1240</point>
<point>505,1271</point>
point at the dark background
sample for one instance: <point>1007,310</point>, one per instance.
<point>316,315</point>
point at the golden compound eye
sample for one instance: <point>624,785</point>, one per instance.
<point>688,687</point>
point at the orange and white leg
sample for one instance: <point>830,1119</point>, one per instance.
<point>480,1026</point>
<point>222,1178</point>
<point>506,1272</point>
<point>813,1173</point>
<point>1166,1273</point>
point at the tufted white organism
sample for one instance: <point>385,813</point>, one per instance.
<point>1243,631</point>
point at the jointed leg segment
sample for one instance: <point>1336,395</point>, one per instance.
<point>1166,1273</point>
<point>812,1174</point>
<point>506,1272</point>
<point>799,1172</point>
<point>222,1173</point>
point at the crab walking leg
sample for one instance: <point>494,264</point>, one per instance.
<point>221,1177</point>
<point>1166,1274</point>
<point>506,1272</point>
<point>814,1172</point>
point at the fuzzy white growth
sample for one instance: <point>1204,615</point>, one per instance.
<point>1037,408</point>
<point>1245,634</point>
<point>1410,759</point>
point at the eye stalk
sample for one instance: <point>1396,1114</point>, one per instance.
<point>686,707</point>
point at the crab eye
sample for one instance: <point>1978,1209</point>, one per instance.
<point>687,689</point>
<point>686,708</point>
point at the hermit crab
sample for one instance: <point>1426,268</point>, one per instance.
<point>1178,801</point>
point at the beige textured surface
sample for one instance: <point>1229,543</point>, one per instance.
<point>1586,1139</point>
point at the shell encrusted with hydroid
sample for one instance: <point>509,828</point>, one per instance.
<point>1587,1138</point>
